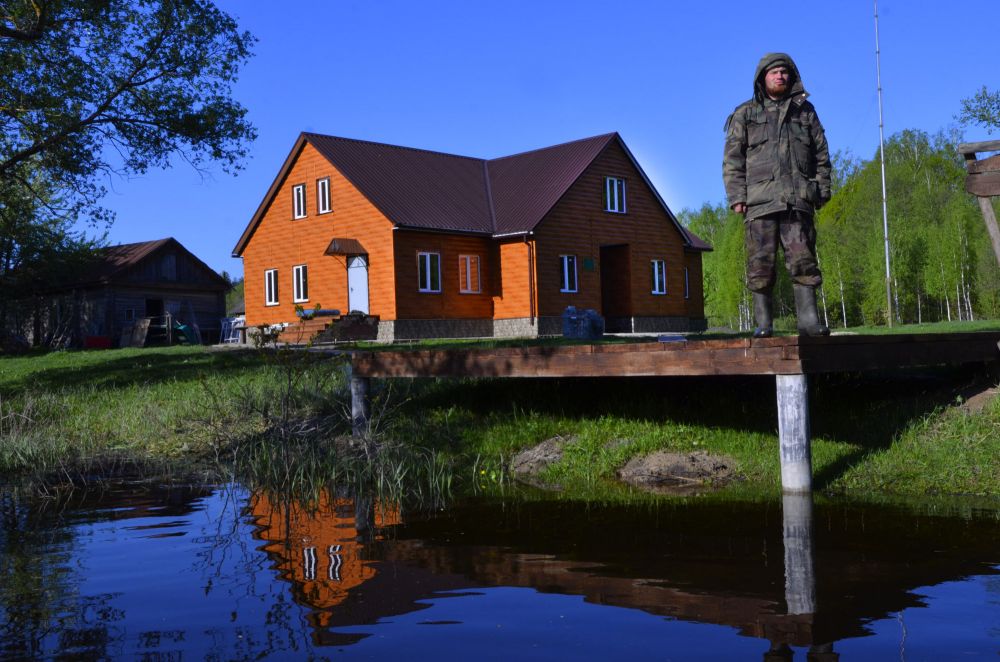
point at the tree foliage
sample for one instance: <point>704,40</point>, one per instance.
<point>981,109</point>
<point>93,87</point>
<point>942,266</point>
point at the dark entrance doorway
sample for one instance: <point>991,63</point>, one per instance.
<point>616,287</point>
<point>154,307</point>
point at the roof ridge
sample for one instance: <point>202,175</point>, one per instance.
<point>308,134</point>
<point>489,196</point>
<point>568,142</point>
<point>136,243</point>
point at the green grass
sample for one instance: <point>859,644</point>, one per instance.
<point>71,407</point>
<point>273,418</point>
<point>883,433</point>
<point>934,327</point>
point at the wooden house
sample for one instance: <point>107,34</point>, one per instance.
<point>125,284</point>
<point>438,245</point>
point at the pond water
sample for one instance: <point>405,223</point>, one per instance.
<point>217,573</point>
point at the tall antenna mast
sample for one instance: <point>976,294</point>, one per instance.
<point>881,153</point>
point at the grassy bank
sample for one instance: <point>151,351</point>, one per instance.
<point>273,418</point>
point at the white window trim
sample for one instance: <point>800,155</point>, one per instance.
<point>300,283</point>
<point>271,287</point>
<point>687,285</point>
<point>564,274</point>
<point>299,201</point>
<point>323,196</point>
<point>613,203</point>
<point>466,285</point>
<point>429,286</point>
<point>659,268</point>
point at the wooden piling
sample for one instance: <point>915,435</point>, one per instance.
<point>360,404</point>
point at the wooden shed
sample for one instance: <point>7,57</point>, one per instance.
<point>156,284</point>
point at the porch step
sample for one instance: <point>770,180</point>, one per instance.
<point>303,331</point>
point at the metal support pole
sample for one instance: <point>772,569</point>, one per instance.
<point>793,433</point>
<point>360,404</point>
<point>800,577</point>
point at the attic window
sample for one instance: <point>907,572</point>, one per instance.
<point>299,201</point>
<point>168,267</point>
<point>323,195</point>
<point>614,195</point>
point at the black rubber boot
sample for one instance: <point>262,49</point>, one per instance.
<point>805,312</point>
<point>762,315</point>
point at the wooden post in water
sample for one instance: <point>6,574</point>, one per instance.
<point>793,433</point>
<point>360,404</point>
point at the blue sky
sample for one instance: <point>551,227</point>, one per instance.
<point>488,78</point>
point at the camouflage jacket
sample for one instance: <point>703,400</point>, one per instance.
<point>776,154</point>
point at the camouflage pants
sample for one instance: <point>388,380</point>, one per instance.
<point>797,235</point>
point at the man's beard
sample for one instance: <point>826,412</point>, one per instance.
<point>775,91</point>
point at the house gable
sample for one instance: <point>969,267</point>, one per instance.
<point>278,242</point>
<point>578,225</point>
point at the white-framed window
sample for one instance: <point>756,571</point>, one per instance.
<point>468,274</point>
<point>300,287</point>
<point>323,196</point>
<point>299,201</point>
<point>659,276</point>
<point>614,194</point>
<point>428,272</point>
<point>271,287</point>
<point>687,287</point>
<point>567,266</point>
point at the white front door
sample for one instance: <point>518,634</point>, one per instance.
<point>357,283</point>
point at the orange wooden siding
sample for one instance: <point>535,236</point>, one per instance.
<point>516,279</point>
<point>317,549</point>
<point>449,303</point>
<point>577,225</point>
<point>281,243</point>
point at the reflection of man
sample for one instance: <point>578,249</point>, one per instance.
<point>777,172</point>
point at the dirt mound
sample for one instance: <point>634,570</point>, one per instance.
<point>663,471</point>
<point>529,463</point>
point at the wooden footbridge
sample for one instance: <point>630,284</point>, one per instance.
<point>790,359</point>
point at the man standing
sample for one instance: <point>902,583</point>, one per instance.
<point>777,173</point>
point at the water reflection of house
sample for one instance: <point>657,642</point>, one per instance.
<point>319,547</point>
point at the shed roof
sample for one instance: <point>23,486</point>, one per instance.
<point>112,262</point>
<point>421,189</point>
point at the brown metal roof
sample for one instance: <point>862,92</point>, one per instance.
<point>526,186</point>
<point>696,242</point>
<point>413,187</point>
<point>112,262</point>
<point>421,189</point>
<point>341,246</point>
